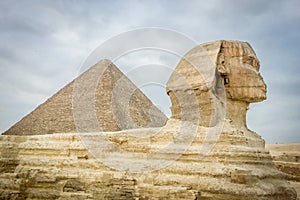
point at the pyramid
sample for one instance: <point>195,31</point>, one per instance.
<point>100,99</point>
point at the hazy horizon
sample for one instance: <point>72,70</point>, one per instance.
<point>44,44</point>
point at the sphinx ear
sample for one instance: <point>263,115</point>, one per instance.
<point>223,67</point>
<point>224,74</point>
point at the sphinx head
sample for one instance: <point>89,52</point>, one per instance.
<point>230,65</point>
<point>239,68</point>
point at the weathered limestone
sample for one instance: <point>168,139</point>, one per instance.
<point>58,166</point>
<point>185,159</point>
<point>238,71</point>
<point>57,114</point>
<point>286,158</point>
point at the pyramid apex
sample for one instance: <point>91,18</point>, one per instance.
<point>105,62</point>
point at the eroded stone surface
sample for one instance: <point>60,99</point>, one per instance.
<point>237,167</point>
<point>286,158</point>
<point>205,70</point>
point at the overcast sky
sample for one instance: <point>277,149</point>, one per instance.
<point>44,43</point>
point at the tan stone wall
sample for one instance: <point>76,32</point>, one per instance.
<point>58,166</point>
<point>286,158</point>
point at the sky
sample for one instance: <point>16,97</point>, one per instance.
<point>43,45</point>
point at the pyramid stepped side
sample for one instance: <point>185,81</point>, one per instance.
<point>140,109</point>
<point>56,114</point>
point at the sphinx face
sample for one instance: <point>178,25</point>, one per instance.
<point>195,77</point>
<point>239,68</point>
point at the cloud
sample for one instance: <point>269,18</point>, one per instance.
<point>44,43</point>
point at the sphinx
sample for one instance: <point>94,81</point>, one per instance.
<point>206,144</point>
